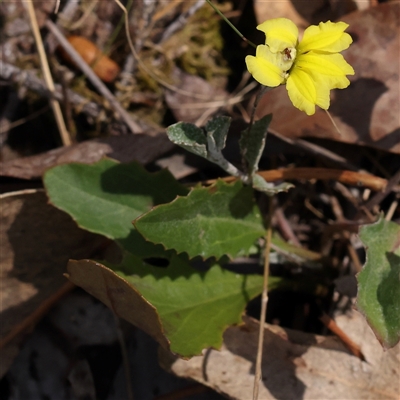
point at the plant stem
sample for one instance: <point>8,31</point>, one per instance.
<point>262,91</point>
<point>264,302</point>
<point>260,94</point>
<point>230,24</point>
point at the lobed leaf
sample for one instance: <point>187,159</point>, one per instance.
<point>106,196</point>
<point>189,137</point>
<point>209,222</point>
<point>217,130</point>
<point>379,282</point>
<point>183,309</point>
<point>252,142</point>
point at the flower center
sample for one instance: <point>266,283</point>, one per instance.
<point>289,54</point>
<point>285,59</point>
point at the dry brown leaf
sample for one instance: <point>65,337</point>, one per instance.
<point>303,13</point>
<point>296,365</point>
<point>283,9</point>
<point>117,294</point>
<point>189,108</point>
<point>367,112</point>
<point>141,148</point>
<point>36,242</point>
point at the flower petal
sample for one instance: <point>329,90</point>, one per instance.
<point>305,93</point>
<point>330,68</point>
<point>263,67</point>
<point>281,33</point>
<point>327,36</point>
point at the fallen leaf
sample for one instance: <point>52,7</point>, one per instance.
<point>296,365</point>
<point>141,148</point>
<point>265,10</point>
<point>367,112</point>
<point>188,108</point>
<point>36,243</point>
<point>303,13</point>
<point>200,306</point>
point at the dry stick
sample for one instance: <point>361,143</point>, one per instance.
<point>57,7</point>
<point>24,120</point>
<point>315,149</point>
<point>37,314</point>
<point>264,302</point>
<point>392,183</point>
<point>181,21</point>
<point>29,80</point>
<point>332,326</point>
<point>286,229</point>
<point>55,105</point>
<point>101,87</point>
<point>166,9</point>
<point>147,70</point>
<point>392,209</point>
<point>343,176</point>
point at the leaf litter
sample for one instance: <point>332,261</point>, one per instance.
<point>322,213</point>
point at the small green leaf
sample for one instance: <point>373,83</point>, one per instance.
<point>181,308</point>
<point>379,281</point>
<point>189,137</point>
<point>260,184</point>
<point>210,222</point>
<point>252,143</point>
<point>217,130</point>
<point>105,197</point>
<point>295,253</point>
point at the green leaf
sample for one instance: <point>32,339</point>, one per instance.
<point>181,308</point>
<point>379,281</point>
<point>295,253</point>
<point>189,137</point>
<point>217,130</point>
<point>252,143</point>
<point>210,222</point>
<point>260,184</point>
<point>105,197</point>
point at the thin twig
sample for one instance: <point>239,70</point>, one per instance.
<point>391,210</point>
<point>343,176</point>
<point>24,120</point>
<point>333,327</point>
<point>264,302</point>
<point>29,79</point>
<point>181,21</point>
<point>57,7</point>
<point>11,105</point>
<point>392,183</point>
<point>316,150</point>
<point>85,68</point>
<point>146,69</point>
<point>55,105</point>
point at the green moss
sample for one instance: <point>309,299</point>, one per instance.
<point>198,46</point>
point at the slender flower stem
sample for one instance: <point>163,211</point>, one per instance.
<point>264,302</point>
<point>230,24</point>
<point>260,94</point>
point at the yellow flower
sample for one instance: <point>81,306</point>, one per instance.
<point>310,68</point>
